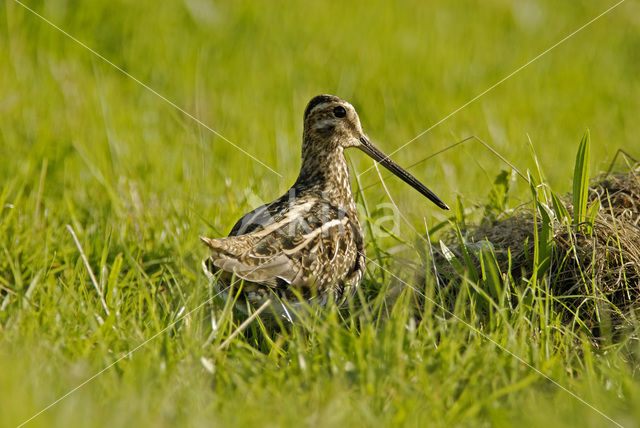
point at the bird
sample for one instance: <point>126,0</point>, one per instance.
<point>307,246</point>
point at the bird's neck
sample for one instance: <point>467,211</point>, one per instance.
<point>326,175</point>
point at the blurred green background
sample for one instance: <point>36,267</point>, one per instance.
<point>83,144</point>
<point>247,70</point>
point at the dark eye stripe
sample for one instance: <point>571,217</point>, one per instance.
<point>339,111</point>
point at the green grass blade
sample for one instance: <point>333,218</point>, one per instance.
<point>543,236</point>
<point>581,180</point>
<point>471,267</point>
<point>559,208</point>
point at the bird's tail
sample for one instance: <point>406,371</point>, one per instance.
<point>211,243</point>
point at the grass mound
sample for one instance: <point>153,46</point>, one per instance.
<point>593,266</point>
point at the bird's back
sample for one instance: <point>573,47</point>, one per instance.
<point>305,247</point>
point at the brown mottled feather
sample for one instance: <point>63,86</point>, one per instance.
<point>314,248</point>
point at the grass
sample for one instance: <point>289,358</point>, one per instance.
<point>81,144</point>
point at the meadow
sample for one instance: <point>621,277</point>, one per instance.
<point>87,151</point>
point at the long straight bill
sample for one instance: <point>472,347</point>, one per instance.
<point>386,162</point>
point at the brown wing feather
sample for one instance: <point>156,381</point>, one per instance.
<point>311,248</point>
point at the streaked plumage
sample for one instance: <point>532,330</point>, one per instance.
<point>307,244</point>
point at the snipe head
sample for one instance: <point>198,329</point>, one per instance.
<point>331,124</point>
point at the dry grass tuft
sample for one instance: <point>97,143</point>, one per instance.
<point>593,270</point>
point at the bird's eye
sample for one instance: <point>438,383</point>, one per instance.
<point>339,112</point>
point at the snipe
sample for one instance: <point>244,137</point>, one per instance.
<point>307,245</point>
